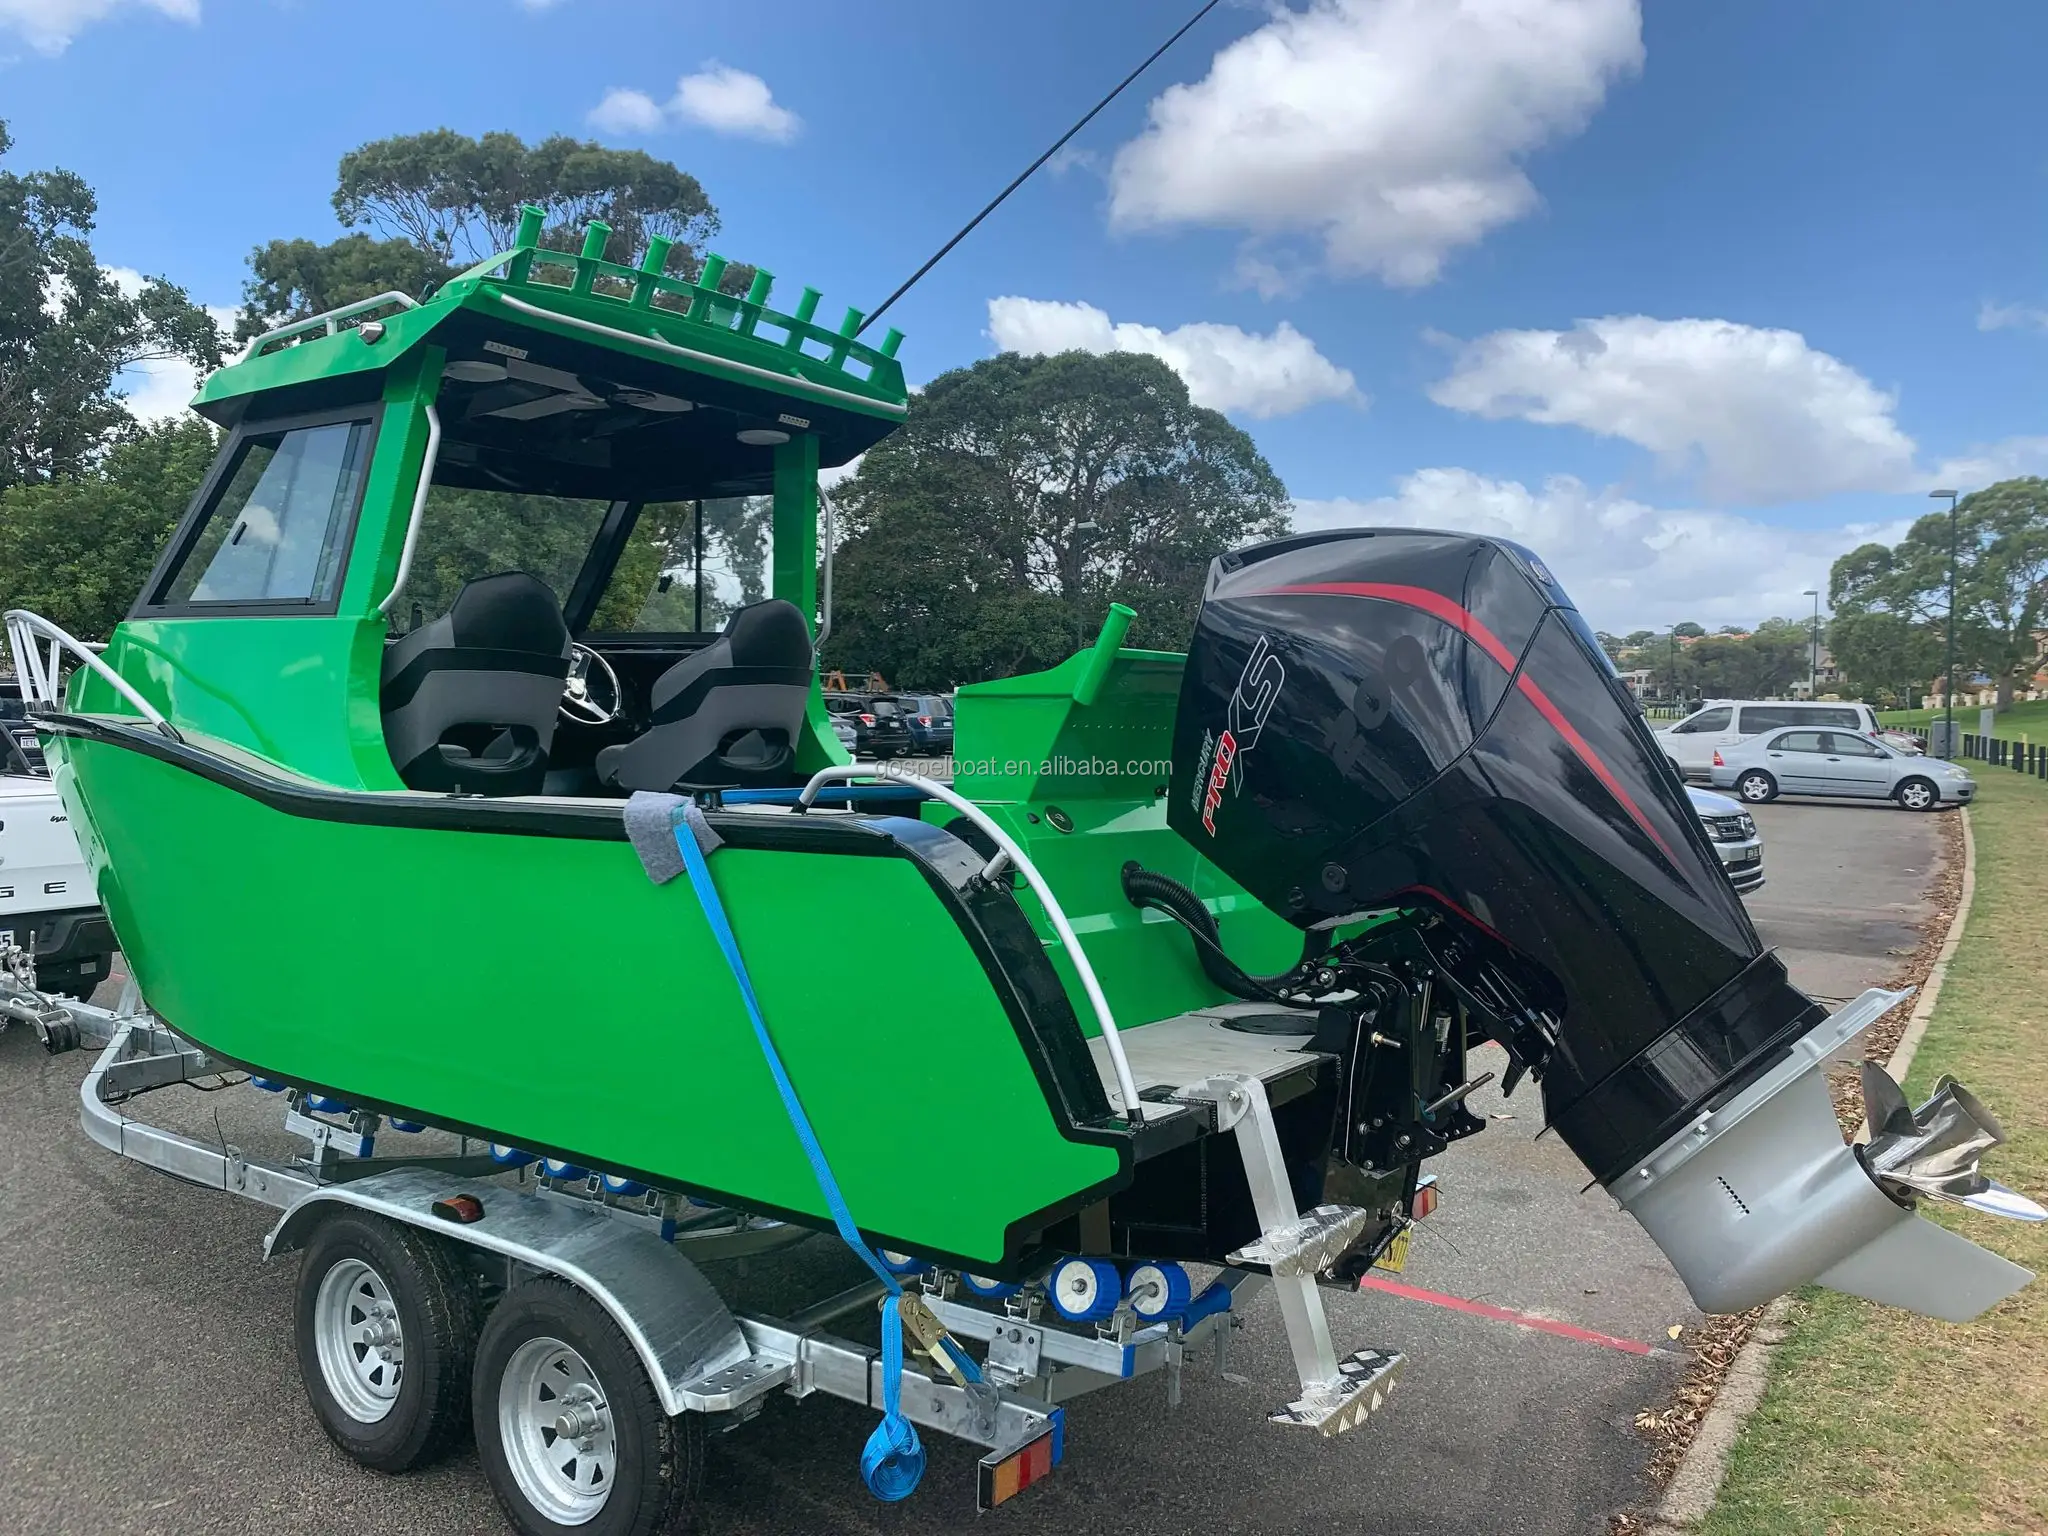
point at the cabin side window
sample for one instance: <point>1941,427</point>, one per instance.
<point>277,529</point>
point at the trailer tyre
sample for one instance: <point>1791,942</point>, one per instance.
<point>568,1427</point>
<point>387,1323</point>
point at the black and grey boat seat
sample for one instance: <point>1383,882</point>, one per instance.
<point>470,701</point>
<point>727,716</point>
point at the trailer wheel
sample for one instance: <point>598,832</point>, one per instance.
<point>570,1432</point>
<point>387,1323</point>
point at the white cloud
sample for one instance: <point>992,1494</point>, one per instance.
<point>627,112</point>
<point>728,100</point>
<point>1981,465</point>
<point>1759,413</point>
<point>2011,317</point>
<point>48,26</point>
<point>718,97</point>
<point>164,387</point>
<point>1392,130</point>
<point>1225,368</point>
<point>1627,565</point>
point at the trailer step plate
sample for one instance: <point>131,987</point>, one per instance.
<point>1007,1473</point>
<point>1364,1382</point>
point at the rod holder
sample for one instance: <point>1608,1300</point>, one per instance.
<point>1095,669</point>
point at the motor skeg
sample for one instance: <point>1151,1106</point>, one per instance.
<point>1392,718</point>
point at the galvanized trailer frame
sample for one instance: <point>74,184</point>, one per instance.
<point>639,1263</point>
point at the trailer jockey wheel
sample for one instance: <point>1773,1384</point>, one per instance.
<point>570,1432</point>
<point>387,1322</point>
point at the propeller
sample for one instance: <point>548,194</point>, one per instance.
<point>1934,1150</point>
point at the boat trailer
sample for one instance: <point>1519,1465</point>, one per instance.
<point>634,1254</point>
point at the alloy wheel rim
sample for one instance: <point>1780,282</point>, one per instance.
<point>359,1341</point>
<point>556,1428</point>
<point>1754,789</point>
<point>1915,795</point>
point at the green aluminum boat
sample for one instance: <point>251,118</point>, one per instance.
<point>429,682</point>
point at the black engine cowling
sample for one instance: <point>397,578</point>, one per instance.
<point>1376,719</point>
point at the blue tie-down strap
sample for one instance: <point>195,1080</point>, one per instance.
<point>893,1460</point>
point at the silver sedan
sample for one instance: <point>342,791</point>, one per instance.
<point>1838,763</point>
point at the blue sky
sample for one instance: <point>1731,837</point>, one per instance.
<point>1691,298</point>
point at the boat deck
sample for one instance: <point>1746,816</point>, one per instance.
<point>1172,1053</point>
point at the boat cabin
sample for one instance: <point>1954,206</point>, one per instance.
<point>459,545</point>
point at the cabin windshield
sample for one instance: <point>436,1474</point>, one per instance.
<point>469,534</point>
<point>686,567</point>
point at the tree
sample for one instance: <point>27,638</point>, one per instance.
<point>427,205</point>
<point>1688,630</point>
<point>68,328</point>
<point>1638,638</point>
<point>292,279</point>
<point>1022,497</point>
<point>77,551</point>
<point>2001,564</point>
<point>460,197</point>
<point>1884,655</point>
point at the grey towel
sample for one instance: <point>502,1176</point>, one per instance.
<point>651,828</point>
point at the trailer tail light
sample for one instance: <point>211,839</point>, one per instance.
<point>1005,1474</point>
<point>1718,763</point>
<point>1425,1197</point>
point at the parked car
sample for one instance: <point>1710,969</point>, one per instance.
<point>878,724</point>
<point>1838,763</point>
<point>1732,831</point>
<point>1691,742</point>
<point>849,738</point>
<point>929,717</point>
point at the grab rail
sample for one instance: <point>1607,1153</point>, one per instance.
<point>329,319</point>
<point>1007,848</point>
<point>39,674</point>
<point>428,462</point>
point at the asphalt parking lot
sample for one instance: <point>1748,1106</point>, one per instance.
<point>147,1380</point>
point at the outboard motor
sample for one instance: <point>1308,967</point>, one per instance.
<point>1375,720</point>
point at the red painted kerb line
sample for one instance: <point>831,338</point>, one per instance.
<point>1460,618</point>
<point>1502,1315</point>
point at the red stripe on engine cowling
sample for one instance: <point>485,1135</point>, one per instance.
<point>1460,618</point>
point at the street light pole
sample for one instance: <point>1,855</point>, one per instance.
<point>1813,653</point>
<point>1948,694</point>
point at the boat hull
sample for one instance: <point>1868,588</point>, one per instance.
<point>533,986</point>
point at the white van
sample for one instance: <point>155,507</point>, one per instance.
<point>1691,742</point>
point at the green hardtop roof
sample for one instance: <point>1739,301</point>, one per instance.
<point>665,336</point>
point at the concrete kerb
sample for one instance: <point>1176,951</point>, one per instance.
<point>1696,1483</point>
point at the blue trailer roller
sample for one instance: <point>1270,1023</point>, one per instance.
<point>1084,1290</point>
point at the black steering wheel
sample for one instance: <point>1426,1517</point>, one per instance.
<point>590,694</point>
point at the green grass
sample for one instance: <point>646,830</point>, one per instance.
<point>1880,1423</point>
<point>2028,718</point>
